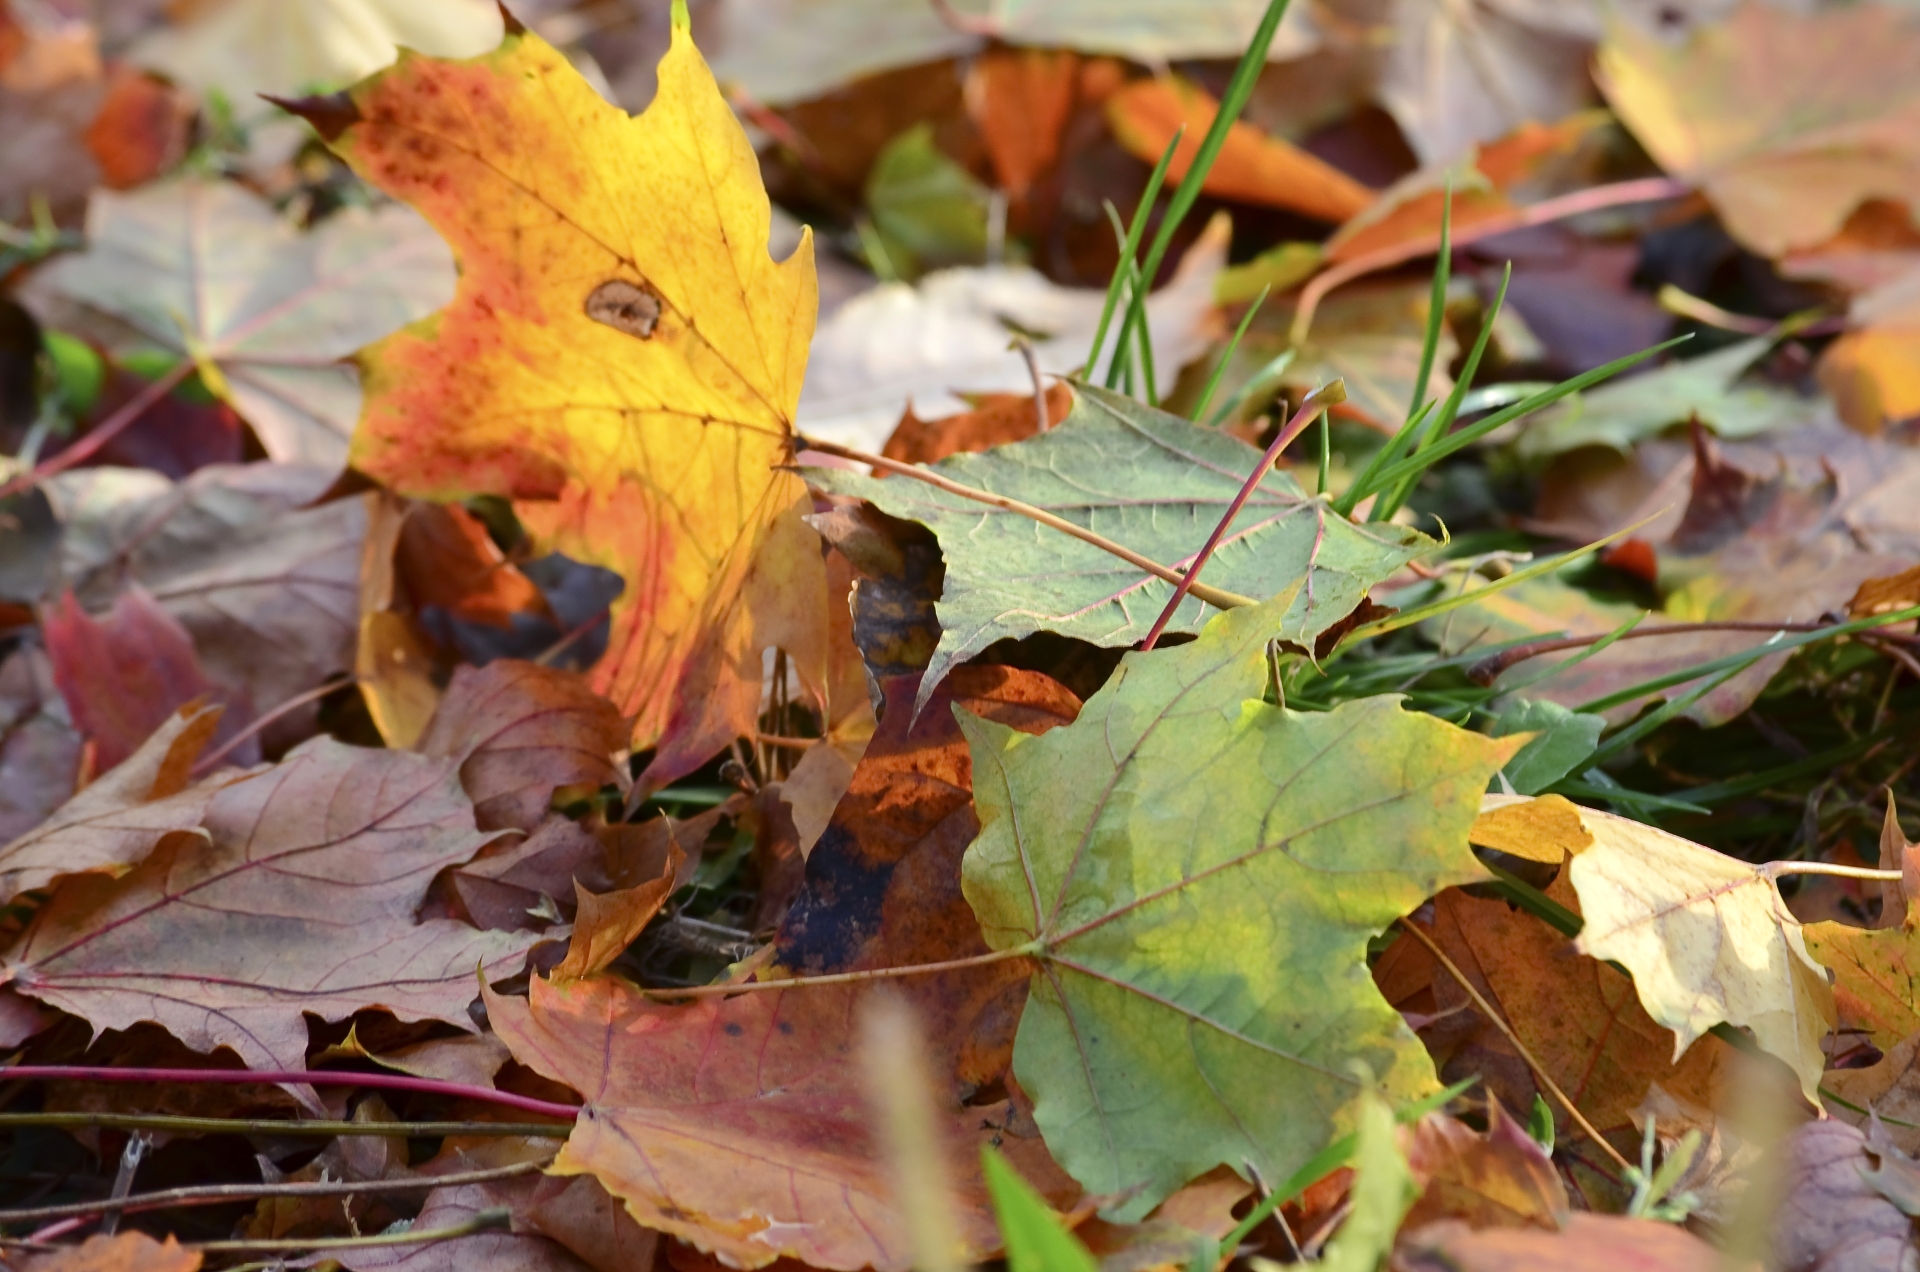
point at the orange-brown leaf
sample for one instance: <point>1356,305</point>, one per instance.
<point>1251,166</point>
<point>127,1252</point>
<point>1500,1179</point>
<point>997,418</point>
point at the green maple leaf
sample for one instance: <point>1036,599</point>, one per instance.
<point>1196,875</point>
<point>1149,481</point>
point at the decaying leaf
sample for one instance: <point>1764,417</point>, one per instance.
<point>621,358</point>
<point>1587,1243</point>
<point>1150,481</point>
<point>1870,370</point>
<point>1831,1218</point>
<point>740,1125</point>
<point>40,751</point>
<point>1252,850</point>
<point>1788,121</point>
<point>302,901</point>
<point>118,819</point>
<point>1499,1179</point>
<point>127,1252</point>
<point>519,731</point>
<point>209,271</point>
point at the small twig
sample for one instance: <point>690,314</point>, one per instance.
<point>1884,642</point>
<point>1644,190</point>
<point>486,1221</point>
<point>1041,420</point>
<point>213,1194</point>
<point>848,978</point>
<point>1489,669</point>
<point>97,437</point>
<point>792,744</point>
<point>279,1126</point>
<point>1498,1022</point>
<point>1315,402</point>
<point>1213,596</point>
<point>208,762</point>
<point>231,1077</point>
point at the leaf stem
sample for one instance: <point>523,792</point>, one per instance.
<point>278,1126</point>
<point>491,1220</point>
<point>1028,950</point>
<point>1620,193</point>
<point>1216,597</point>
<point>213,1194</point>
<point>96,438</point>
<point>1490,668</point>
<point>1499,1022</point>
<point>1315,402</point>
<point>229,1077</point>
<point>1775,869</point>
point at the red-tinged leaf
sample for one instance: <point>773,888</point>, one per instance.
<point>303,901</point>
<point>39,749</point>
<point>605,923</point>
<point>142,129</point>
<point>479,1252</point>
<point>119,819</point>
<point>520,731</point>
<point>996,418</point>
<point>127,1252</point>
<point>739,1125</point>
<point>447,559</point>
<point>124,675</point>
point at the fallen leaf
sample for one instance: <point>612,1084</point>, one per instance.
<point>1787,121</point>
<point>208,270</point>
<point>1147,1073</point>
<point>127,1252</point>
<point>645,434</point>
<point>1383,1188</point>
<point>331,841</point>
<point>605,923</point>
<point>1021,101</point>
<point>926,208</point>
<point>739,1125</point>
<point>996,418</point>
<point>1869,370</point>
<point>40,751</point>
<point>898,346</point>
<point>1497,1179</point>
<point>1587,1243</point>
<point>142,129</point>
<point>1150,481</point>
<point>1544,829</point>
<point>124,675</point>
<point>1707,939</point>
<point>119,818</point>
<point>520,731</point>
<point>446,558</point>
<point>1578,1017</point>
<point>392,664</point>
<point>1251,167</point>
<point>1830,1218</point>
<point>246,48</point>
<point>476,1252</point>
<point>1874,974</point>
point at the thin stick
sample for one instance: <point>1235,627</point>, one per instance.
<point>486,1221</point>
<point>848,978</point>
<point>1213,596</point>
<point>1041,420</point>
<point>1546,1079</point>
<point>1489,669</point>
<point>792,744</point>
<point>1316,401</point>
<point>1644,190</point>
<point>280,1126</point>
<point>213,1194</point>
<point>96,438</point>
<point>1775,869</point>
<point>230,1077</point>
<point>208,762</point>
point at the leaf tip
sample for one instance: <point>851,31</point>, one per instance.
<point>331,114</point>
<point>513,26</point>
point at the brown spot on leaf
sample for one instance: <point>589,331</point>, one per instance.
<point>625,306</point>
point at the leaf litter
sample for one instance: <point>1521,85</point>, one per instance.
<point>530,627</point>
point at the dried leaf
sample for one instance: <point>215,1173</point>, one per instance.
<point>40,750</point>
<point>1831,1218</point>
<point>446,558</point>
<point>392,663</point>
<point>209,271</point>
<point>332,843</point>
<point>478,1252</point>
<point>127,1252</point>
<point>1787,121</point>
<point>118,819</point>
<point>1251,167</point>
<point>634,390</point>
<point>1587,1243</point>
<point>1870,370</point>
<point>519,732</point>
<point>605,923</point>
<point>996,418</point>
<point>1500,1179</point>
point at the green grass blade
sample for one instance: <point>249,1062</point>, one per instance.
<point>1265,380</point>
<point>1233,345</point>
<point>1437,305</point>
<point>1368,480</point>
<point>1130,250</point>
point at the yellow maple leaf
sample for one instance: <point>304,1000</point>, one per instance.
<point>622,358</point>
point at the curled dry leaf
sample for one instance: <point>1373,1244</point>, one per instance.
<point>210,271</point>
<point>1497,1179</point>
<point>1706,938</point>
<point>303,901</point>
<point>1578,1017</point>
<point>740,1125</point>
<point>1137,828</point>
<point>519,731</point>
<point>118,819</point>
<point>1789,121</point>
<point>1252,167</point>
<point>621,358</point>
<point>1151,482</point>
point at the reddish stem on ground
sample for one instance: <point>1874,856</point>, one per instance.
<point>383,1081</point>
